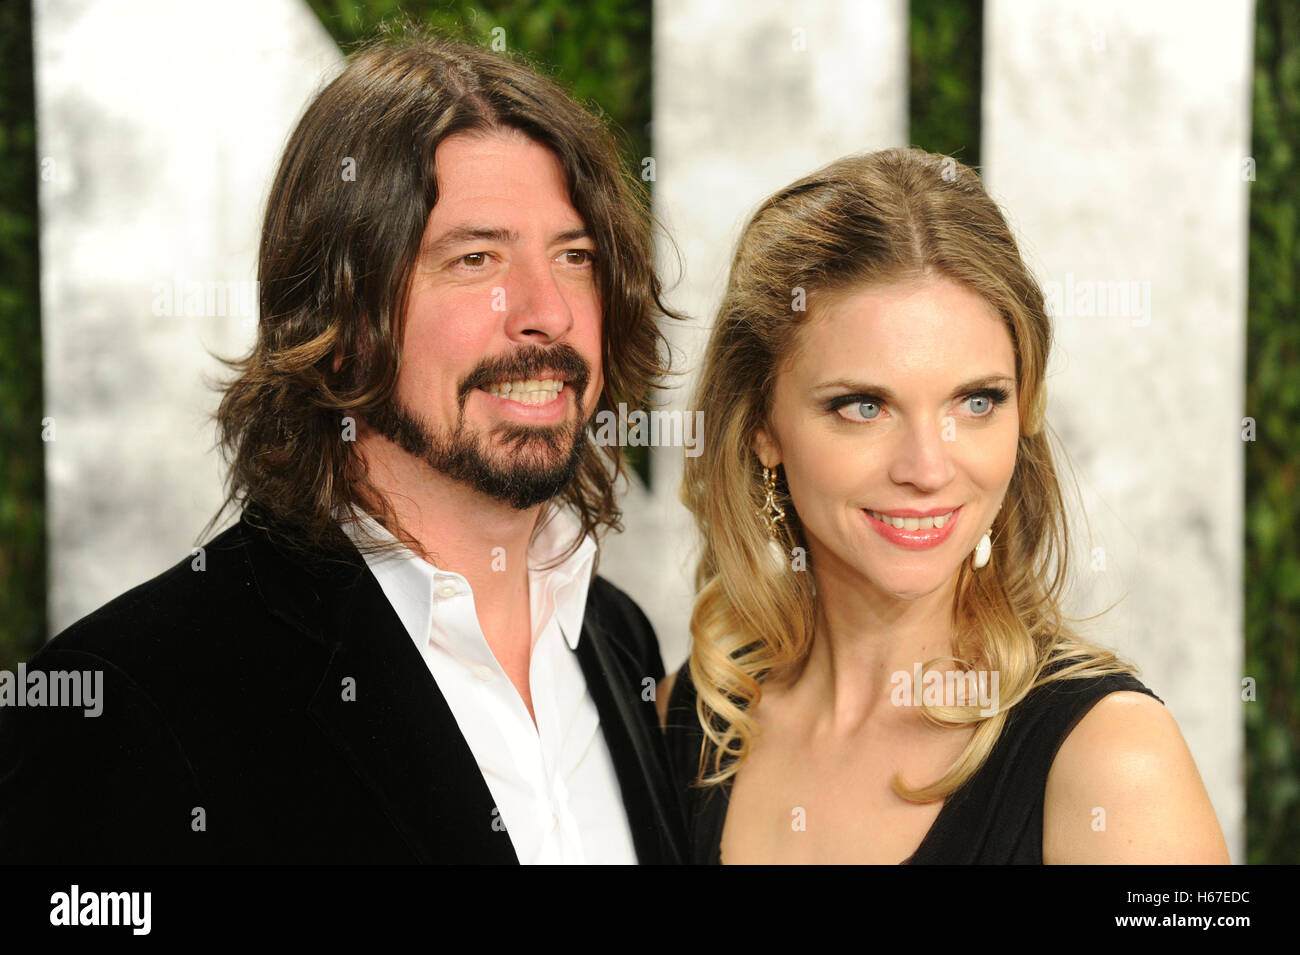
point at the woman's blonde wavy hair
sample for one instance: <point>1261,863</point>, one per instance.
<point>868,220</point>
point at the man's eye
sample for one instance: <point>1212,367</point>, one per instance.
<point>580,256</point>
<point>474,260</point>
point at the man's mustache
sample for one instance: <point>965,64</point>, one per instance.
<point>531,362</point>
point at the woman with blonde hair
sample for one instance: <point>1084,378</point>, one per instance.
<point>880,670</point>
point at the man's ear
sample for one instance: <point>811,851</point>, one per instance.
<point>769,453</point>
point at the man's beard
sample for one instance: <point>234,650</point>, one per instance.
<point>539,461</point>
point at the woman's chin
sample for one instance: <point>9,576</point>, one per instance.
<point>906,586</point>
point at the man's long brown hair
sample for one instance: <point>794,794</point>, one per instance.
<point>344,222</point>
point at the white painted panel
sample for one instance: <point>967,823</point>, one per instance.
<point>1115,136</point>
<point>749,95</point>
<point>159,128</point>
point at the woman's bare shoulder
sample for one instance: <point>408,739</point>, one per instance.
<point>1124,789</point>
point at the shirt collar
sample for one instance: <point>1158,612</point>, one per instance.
<point>568,580</point>
<point>409,582</point>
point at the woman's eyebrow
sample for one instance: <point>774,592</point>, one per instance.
<point>880,391</point>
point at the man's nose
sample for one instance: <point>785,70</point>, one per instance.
<point>535,304</point>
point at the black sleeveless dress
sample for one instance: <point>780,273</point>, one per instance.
<point>996,818</point>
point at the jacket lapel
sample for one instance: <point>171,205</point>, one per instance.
<point>631,731</point>
<point>379,705</point>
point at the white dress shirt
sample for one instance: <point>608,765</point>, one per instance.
<point>553,783</point>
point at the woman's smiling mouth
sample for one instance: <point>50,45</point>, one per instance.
<point>903,520</point>
<point>914,533</point>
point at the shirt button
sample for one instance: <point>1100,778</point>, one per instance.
<point>484,673</point>
<point>447,590</point>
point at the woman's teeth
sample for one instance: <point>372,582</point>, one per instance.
<point>533,391</point>
<point>913,523</point>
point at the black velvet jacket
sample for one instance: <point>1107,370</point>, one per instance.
<point>227,734</point>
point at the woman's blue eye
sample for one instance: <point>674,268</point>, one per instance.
<point>991,398</point>
<point>858,404</point>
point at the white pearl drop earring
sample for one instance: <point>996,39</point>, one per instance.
<point>984,549</point>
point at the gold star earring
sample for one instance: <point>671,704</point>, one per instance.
<point>773,516</point>
<point>771,512</point>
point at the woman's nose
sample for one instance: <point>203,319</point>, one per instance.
<point>923,455</point>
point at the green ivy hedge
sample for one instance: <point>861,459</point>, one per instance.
<point>22,459</point>
<point>1272,564</point>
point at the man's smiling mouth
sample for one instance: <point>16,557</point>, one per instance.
<point>527,391</point>
<point>534,381</point>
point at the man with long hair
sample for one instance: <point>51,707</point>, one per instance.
<point>401,651</point>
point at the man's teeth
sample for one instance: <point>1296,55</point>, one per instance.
<point>532,391</point>
<point>913,523</point>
